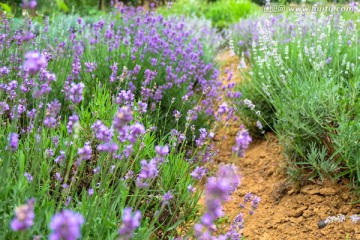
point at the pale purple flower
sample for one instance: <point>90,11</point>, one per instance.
<point>34,61</point>
<point>191,189</point>
<point>102,132</point>
<point>177,114</point>
<point>28,176</point>
<point>122,118</point>
<point>66,225</point>
<point>135,131</point>
<point>242,141</point>
<point>328,60</point>
<point>198,173</point>
<point>109,147</point>
<point>249,104</point>
<point>68,201</point>
<point>255,202</point>
<point>236,226</point>
<point>13,141</point>
<point>162,151</point>
<point>72,120</point>
<point>4,71</point>
<point>148,169</point>
<point>259,125</point>
<point>58,177</point>
<point>91,191</point>
<point>4,107</point>
<point>96,170</point>
<point>223,108</point>
<point>91,66</point>
<point>61,157</point>
<point>166,198</point>
<point>76,92</point>
<point>355,218</point>
<point>28,4</point>
<point>217,190</point>
<point>142,106</point>
<point>24,216</point>
<point>129,223</point>
<point>85,152</point>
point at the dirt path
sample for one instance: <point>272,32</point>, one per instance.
<point>285,211</point>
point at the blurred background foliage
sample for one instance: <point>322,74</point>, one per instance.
<point>222,13</point>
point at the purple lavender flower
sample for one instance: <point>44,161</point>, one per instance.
<point>96,170</point>
<point>4,107</point>
<point>24,216</point>
<point>26,4</point>
<point>130,223</point>
<point>109,147</point>
<point>103,133</point>
<point>114,69</point>
<point>13,141</point>
<point>28,176</point>
<point>122,118</point>
<point>34,62</point>
<point>142,107</point>
<point>72,120</point>
<point>328,60</point>
<point>198,173</point>
<point>135,131</point>
<point>148,169</point>
<point>255,202</point>
<point>242,141</point>
<point>66,225</point>
<point>91,191</point>
<point>125,98</point>
<point>91,66</point>
<point>162,151</point>
<point>202,138</point>
<point>235,228</point>
<point>61,158</point>
<point>191,189</point>
<point>4,71</point>
<point>223,108</point>
<point>68,201</point>
<point>218,189</point>
<point>85,152</point>
<point>166,198</point>
<point>58,177</point>
<point>177,114</point>
<point>76,92</point>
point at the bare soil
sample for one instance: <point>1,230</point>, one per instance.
<point>286,211</point>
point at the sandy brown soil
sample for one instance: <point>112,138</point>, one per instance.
<point>285,211</point>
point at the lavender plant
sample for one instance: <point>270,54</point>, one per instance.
<point>95,124</point>
<point>304,70</point>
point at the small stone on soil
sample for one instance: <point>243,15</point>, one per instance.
<point>321,224</point>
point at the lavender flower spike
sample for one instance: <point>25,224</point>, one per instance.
<point>122,118</point>
<point>34,61</point>
<point>24,218</point>
<point>66,226</point>
<point>130,223</point>
<point>76,92</point>
<point>13,141</point>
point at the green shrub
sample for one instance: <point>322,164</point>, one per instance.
<point>305,81</point>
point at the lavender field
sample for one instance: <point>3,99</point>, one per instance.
<point>110,124</point>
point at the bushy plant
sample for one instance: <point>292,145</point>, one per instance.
<point>304,67</point>
<point>101,129</point>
